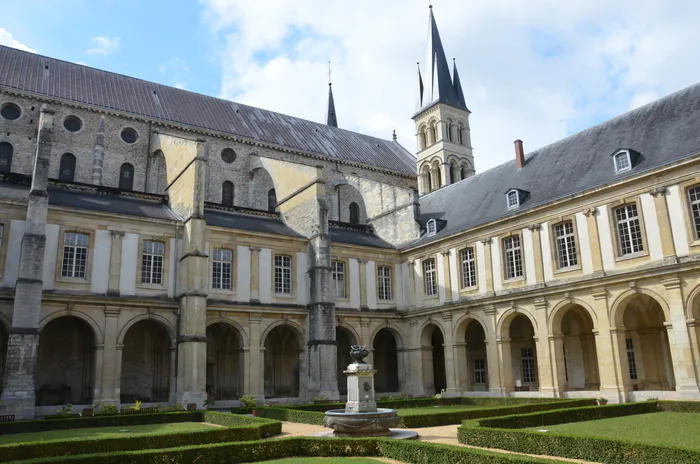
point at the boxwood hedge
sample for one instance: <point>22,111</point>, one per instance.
<point>236,428</point>
<point>401,450</point>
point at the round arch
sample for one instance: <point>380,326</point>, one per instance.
<point>96,331</point>
<point>433,357</point>
<point>462,323</point>
<point>353,333</point>
<point>692,304</point>
<point>242,335</point>
<point>559,311</point>
<point>427,324</point>
<point>394,331</point>
<point>618,307</point>
<point>298,331</point>
<point>503,325</point>
<point>148,317</point>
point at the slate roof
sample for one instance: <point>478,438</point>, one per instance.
<point>662,132</point>
<point>49,77</point>
<point>251,223</point>
<point>357,238</point>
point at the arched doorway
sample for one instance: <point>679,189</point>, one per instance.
<point>344,340</point>
<point>523,354</point>
<point>472,357</point>
<point>433,355</point>
<point>65,370</point>
<point>225,364</point>
<point>577,359</point>
<point>386,362</point>
<point>282,349</point>
<point>146,358</point>
<point>646,346</point>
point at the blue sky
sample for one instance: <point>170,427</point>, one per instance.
<point>536,70</point>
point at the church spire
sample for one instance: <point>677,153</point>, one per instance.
<point>419,100</point>
<point>458,86</point>
<point>438,86</point>
<point>331,119</point>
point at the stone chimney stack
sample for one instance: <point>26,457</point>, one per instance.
<point>519,154</point>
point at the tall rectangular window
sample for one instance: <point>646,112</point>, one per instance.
<point>566,244</point>
<point>283,274</point>
<point>430,277</point>
<point>222,266</point>
<point>629,232</point>
<point>630,359</point>
<point>384,282</point>
<point>152,263</point>
<point>479,371</point>
<point>468,268</point>
<point>513,257</point>
<point>527,358</point>
<point>75,251</point>
<point>338,274</point>
<point>694,197</point>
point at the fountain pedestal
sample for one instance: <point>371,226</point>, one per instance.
<point>361,417</point>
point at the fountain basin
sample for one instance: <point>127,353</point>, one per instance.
<point>365,424</point>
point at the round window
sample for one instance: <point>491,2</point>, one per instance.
<point>228,155</point>
<point>129,135</point>
<point>72,123</point>
<point>10,111</point>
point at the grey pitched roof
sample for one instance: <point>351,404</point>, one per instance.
<point>251,223</point>
<point>357,238</point>
<point>439,86</point>
<point>661,132</point>
<point>49,77</point>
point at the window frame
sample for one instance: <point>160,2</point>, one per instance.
<point>271,194</point>
<point>429,272</point>
<point>72,252</point>
<point>344,272</point>
<point>232,271</point>
<point>224,185</point>
<point>60,167</point>
<point>433,223</point>
<point>479,371</point>
<point>631,360</point>
<point>694,224</point>
<point>504,257</point>
<point>620,155</point>
<point>11,157</point>
<point>573,235</point>
<point>354,207</point>
<point>516,194</point>
<point>380,279</point>
<point>74,283</point>
<point>532,358</point>
<point>474,264</point>
<point>291,275</point>
<point>126,166</point>
<point>165,240</point>
<point>642,230</point>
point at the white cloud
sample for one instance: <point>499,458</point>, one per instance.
<point>180,85</point>
<point>7,39</point>
<point>535,70</point>
<point>174,65</point>
<point>103,45</point>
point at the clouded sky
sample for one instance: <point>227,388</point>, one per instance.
<point>537,70</point>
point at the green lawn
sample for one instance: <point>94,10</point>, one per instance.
<point>433,409</point>
<point>324,461</point>
<point>101,432</point>
<point>674,429</point>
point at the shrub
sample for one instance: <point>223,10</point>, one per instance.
<point>293,415</point>
<point>249,402</point>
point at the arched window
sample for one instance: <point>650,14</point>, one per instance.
<point>464,171</point>
<point>460,134</point>
<point>227,193</point>
<point>126,177</point>
<point>449,132</point>
<point>433,133</point>
<point>6,151</point>
<point>66,170</point>
<point>354,213</point>
<point>271,200</point>
<point>430,181</point>
<point>453,173</point>
<point>423,138</point>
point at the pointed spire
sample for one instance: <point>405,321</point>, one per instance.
<point>458,85</point>
<point>331,119</point>
<point>419,102</point>
<point>439,86</point>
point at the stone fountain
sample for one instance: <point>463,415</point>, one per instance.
<point>361,417</point>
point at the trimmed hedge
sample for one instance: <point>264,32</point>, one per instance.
<point>403,450</point>
<point>43,425</point>
<point>236,428</point>
<point>563,416</point>
<point>479,433</point>
<point>428,419</point>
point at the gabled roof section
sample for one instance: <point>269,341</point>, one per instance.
<point>439,86</point>
<point>662,132</point>
<point>52,78</point>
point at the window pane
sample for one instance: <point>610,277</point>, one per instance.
<point>565,244</point>
<point>384,282</point>
<point>468,268</point>
<point>513,257</point>
<point>694,197</point>
<point>629,230</point>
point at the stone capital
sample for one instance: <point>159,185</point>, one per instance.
<point>489,310</point>
<point>112,311</point>
<point>254,249</point>
<point>116,234</point>
<point>534,227</point>
<point>590,212</point>
<point>658,191</point>
<point>486,241</point>
<point>445,253</point>
<point>365,322</point>
<point>540,303</point>
<point>671,283</point>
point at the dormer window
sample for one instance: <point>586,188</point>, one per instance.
<point>622,161</point>
<point>512,199</point>
<point>431,227</point>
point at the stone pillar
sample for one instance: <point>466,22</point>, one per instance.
<point>365,336</point>
<point>494,361</point>
<point>545,361</point>
<point>451,368</point>
<point>556,344</point>
<point>537,251</point>
<point>111,370</point>
<point>606,343</point>
<point>363,285</point>
<point>411,265</point>
<point>488,266</point>
<point>679,340</point>
<point>414,362</point>
<point>98,153</point>
<point>255,372</point>
<point>462,368</point>
<point>594,239</point>
<point>506,367</point>
<point>115,263</point>
<point>448,277</point>
<point>18,396</point>
<point>667,246</point>
<point>254,275</point>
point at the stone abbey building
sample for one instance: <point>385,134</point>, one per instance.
<point>165,246</point>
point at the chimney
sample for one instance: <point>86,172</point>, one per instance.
<point>519,154</point>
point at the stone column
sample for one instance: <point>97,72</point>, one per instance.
<point>98,154</point>
<point>606,343</point>
<point>488,266</point>
<point>115,263</point>
<point>254,275</point>
<point>18,396</point>
<point>451,368</point>
<point>111,370</point>
<point>667,246</point>
<point>506,367</point>
<point>255,371</point>
<point>556,344</point>
<point>365,336</point>
<point>594,239</point>
<point>411,284</point>
<point>462,369</point>
<point>537,251</point>
<point>363,285</point>
<point>546,365</point>
<point>494,361</point>
<point>415,370</point>
<point>448,277</point>
<point>679,340</point>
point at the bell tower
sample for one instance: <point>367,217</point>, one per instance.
<point>442,120</point>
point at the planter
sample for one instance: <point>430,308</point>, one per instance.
<point>255,413</point>
<point>88,412</point>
